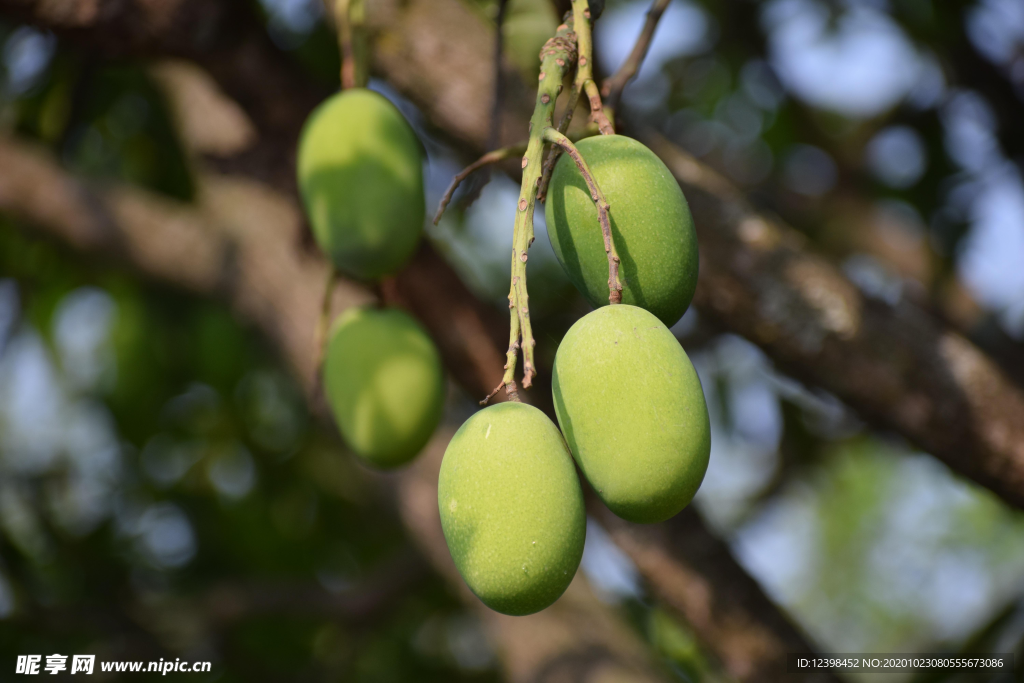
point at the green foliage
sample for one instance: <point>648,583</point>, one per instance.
<point>361,176</point>
<point>511,508</point>
<point>385,383</point>
<point>632,411</point>
<point>651,226</point>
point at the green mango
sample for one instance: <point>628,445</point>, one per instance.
<point>632,410</point>
<point>360,171</point>
<point>385,384</point>
<point>651,226</point>
<point>512,508</point>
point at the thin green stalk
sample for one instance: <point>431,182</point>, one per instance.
<point>349,17</point>
<point>603,211</point>
<point>583,82</point>
<point>556,58</point>
<point>585,69</point>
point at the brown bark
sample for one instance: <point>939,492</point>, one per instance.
<point>686,568</point>
<point>895,365</point>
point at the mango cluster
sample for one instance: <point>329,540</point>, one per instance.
<point>629,404</point>
<point>360,174</point>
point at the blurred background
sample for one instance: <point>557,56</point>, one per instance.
<point>165,490</point>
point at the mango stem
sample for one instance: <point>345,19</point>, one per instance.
<point>603,211</point>
<point>557,57</point>
<point>584,75</point>
<point>487,159</point>
<point>349,16</point>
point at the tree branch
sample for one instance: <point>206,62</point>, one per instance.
<point>894,364</point>
<point>685,566</point>
<point>613,86</point>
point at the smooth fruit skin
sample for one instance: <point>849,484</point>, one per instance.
<point>385,383</point>
<point>512,508</point>
<point>360,172</point>
<point>651,226</point>
<point>632,410</point>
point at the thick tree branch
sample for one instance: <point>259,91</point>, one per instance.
<point>678,559</point>
<point>238,242</point>
<point>895,365</point>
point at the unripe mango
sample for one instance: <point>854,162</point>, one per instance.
<point>385,383</point>
<point>632,410</point>
<point>360,171</point>
<point>512,508</point>
<point>651,226</point>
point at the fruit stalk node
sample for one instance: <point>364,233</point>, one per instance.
<point>580,19</point>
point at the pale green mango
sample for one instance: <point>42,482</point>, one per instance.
<point>385,383</point>
<point>632,410</point>
<point>651,226</point>
<point>512,508</point>
<point>360,171</point>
